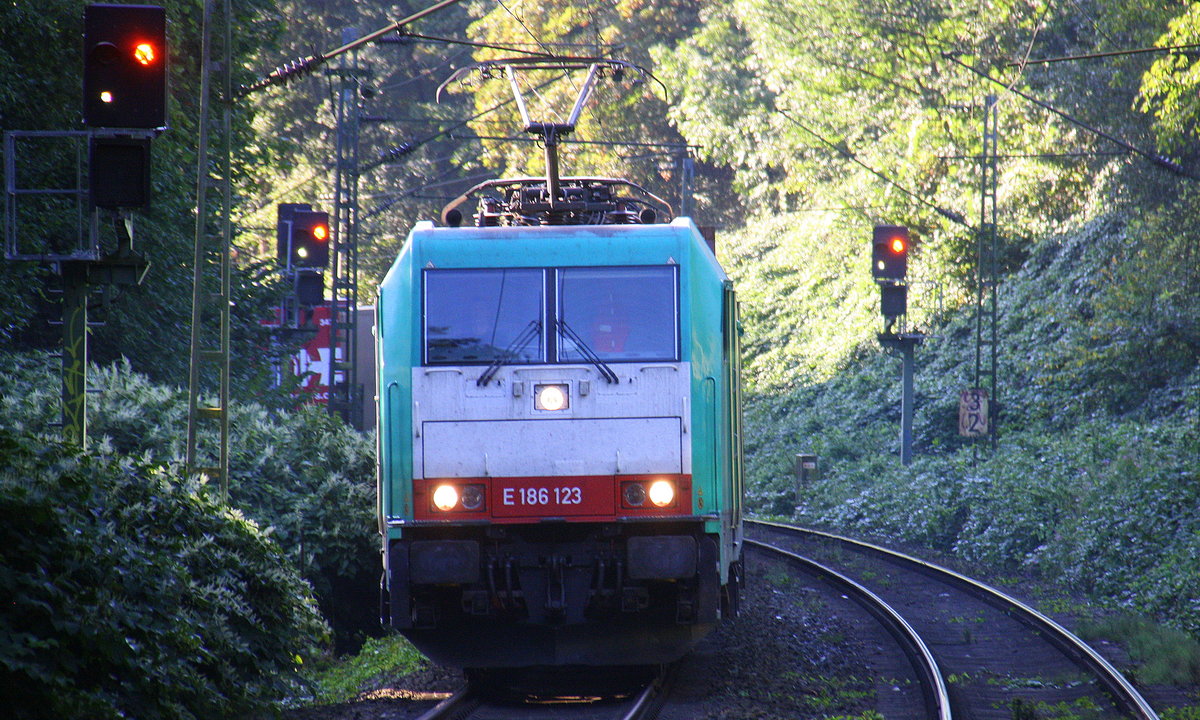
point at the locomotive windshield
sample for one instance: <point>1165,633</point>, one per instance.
<point>614,314</point>
<point>474,316</point>
<point>624,313</point>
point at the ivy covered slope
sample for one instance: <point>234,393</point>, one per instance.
<point>135,593</point>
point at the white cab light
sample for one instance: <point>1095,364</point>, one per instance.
<point>662,493</point>
<point>551,397</point>
<point>445,497</point>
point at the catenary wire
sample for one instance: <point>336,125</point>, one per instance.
<point>1158,160</point>
<point>951,215</point>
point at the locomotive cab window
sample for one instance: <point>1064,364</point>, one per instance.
<point>477,316</point>
<point>620,313</point>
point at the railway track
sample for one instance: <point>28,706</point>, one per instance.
<point>997,657</point>
<point>468,704</point>
<point>924,667</point>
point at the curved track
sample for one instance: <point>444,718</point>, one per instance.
<point>997,654</point>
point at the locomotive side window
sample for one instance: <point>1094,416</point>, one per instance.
<point>621,313</point>
<point>477,316</point>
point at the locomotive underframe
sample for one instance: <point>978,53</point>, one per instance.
<point>554,593</point>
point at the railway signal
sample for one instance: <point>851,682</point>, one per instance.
<point>125,66</point>
<point>309,239</point>
<point>890,245</point>
<point>283,229</point>
<point>309,287</point>
<point>302,247</point>
<point>889,252</point>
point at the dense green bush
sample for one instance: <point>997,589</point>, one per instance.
<point>303,474</point>
<point>312,479</point>
<point>130,593</point>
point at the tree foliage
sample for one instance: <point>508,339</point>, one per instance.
<point>1168,90</point>
<point>411,161</point>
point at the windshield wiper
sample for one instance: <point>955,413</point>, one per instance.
<point>587,353</point>
<point>514,348</point>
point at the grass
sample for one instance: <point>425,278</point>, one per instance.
<point>380,661</point>
<point>1081,709</point>
<point>779,578</point>
<point>1162,654</point>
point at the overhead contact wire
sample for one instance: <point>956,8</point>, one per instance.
<point>1029,48</point>
<point>300,67</point>
<point>1111,53</point>
<point>1159,160</point>
<point>406,148</point>
<point>951,215</point>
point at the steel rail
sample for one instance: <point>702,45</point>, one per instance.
<point>1123,692</point>
<point>645,706</point>
<point>937,697</point>
<point>458,705</point>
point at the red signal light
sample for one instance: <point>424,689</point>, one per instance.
<point>889,252</point>
<point>144,53</point>
<point>320,232</point>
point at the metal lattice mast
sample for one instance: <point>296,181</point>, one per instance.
<point>345,396</point>
<point>987,268</point>
<point>687,180</point>
<point>211,268</point>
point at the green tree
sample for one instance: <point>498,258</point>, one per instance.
<point>1168,90</point>
<point>394,83</point>
<point>619,111</point>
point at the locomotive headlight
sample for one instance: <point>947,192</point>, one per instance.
<point>472,497</point>
<point>445,498</point>
<point>662,493</point>
<point>634,494</point>
<point>551,397</point>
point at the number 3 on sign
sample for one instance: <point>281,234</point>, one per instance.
<point>973,412</point>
